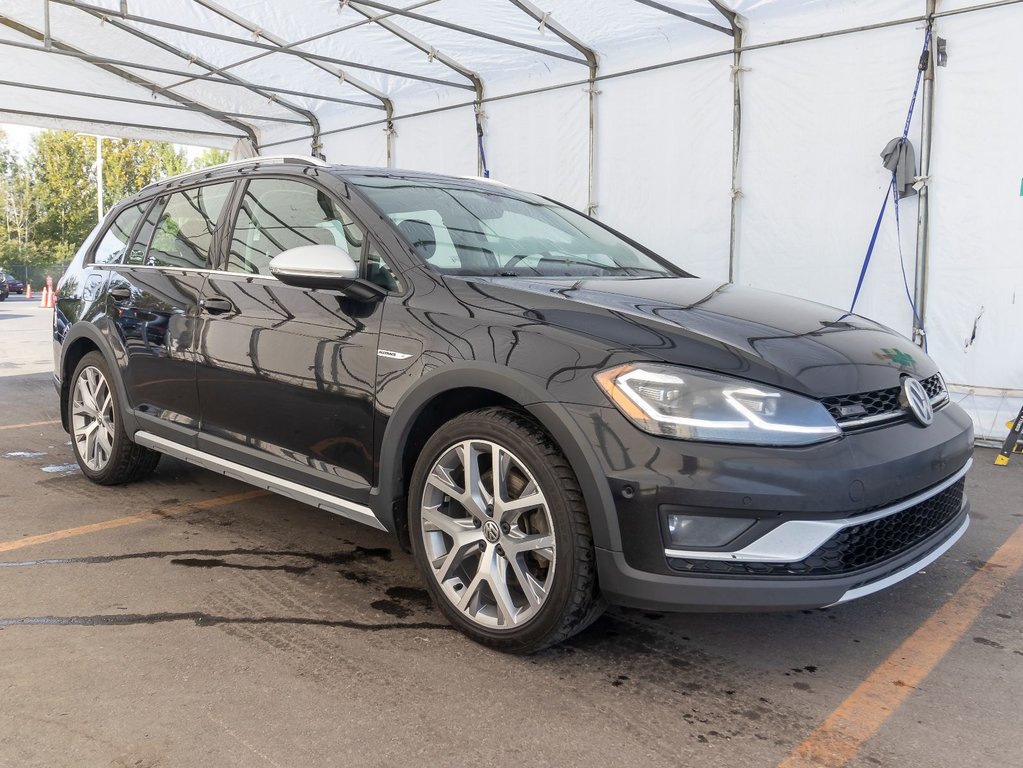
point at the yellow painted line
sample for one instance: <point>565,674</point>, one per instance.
<point>840,736</point>
<point>30,424</point>
<point>117,522</point>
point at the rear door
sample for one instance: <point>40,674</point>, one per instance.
<point>286,375</point>
<point>153,297</point>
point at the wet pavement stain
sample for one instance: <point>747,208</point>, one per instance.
<point>391,608</point>
<point>198,562</point>
<point>358,554</point>
<point>988,643</point>
<point>201,619</point>
<point>23,454</point>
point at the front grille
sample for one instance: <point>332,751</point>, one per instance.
<point>852,548</point>
<point>882,402</point>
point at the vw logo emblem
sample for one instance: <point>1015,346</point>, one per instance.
<point>491,531</point>
<point>914,398</point>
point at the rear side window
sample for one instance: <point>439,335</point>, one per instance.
<point>187,227</point>
<point>111,247</point>
<point>278,214</point>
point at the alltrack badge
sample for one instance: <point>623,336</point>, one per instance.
<point>914,399</point>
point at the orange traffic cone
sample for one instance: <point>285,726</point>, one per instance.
<point>28,290</point>
<point>43,298</point>
<point>50,299</point>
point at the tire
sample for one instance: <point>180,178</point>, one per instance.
<point>103,449</point>
<point>515,576</point>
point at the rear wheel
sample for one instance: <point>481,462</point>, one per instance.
<point>104,451</point>
<point>500,532</point>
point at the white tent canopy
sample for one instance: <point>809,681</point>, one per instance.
<point>739,138</point>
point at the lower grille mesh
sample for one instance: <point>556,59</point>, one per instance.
<point>855,547</point>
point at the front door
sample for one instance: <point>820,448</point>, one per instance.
<point>286,375</point>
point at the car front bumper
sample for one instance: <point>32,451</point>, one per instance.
<point>815,510</point>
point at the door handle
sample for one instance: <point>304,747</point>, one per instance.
<point>120,295</point>
<point>216,306</point>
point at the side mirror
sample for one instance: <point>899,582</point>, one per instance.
<point>322,266</point>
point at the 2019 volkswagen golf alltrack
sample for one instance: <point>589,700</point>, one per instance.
<point>549,415</point>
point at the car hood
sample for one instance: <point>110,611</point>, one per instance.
<point>753,334</point>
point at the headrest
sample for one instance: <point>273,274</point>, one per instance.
<point>420,233</point>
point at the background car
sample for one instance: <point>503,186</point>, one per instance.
<point>14,285</point>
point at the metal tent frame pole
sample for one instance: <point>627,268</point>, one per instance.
<point>313,121</point>
<point>592,64</point>
<point>688,16</point>
<point>337,72</point>
<point>60,48</point>
<point>434,55</point>
<point>287,49</point>
<point>468,31</point>
<point>923,230</point>
<point>736,190</point>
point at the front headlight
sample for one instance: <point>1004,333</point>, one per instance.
<point>696,405</point>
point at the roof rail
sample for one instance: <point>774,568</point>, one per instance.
<point>262,159</point>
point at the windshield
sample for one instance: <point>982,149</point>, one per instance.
<point>463,230</point>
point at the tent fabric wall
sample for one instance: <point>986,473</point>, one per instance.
<point>824,86</point>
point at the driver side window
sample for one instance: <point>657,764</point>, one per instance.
<point>278,214</point>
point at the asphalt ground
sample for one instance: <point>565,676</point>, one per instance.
<point>189,620</point>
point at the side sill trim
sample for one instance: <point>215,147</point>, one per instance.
<point>319,499</point>
<point>792,541</point>
<point>905,573</point>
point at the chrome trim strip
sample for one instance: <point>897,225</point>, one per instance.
<point>905,573</point>
<point>937,402</point>
<point>792,541</point>
<point>324,501</point>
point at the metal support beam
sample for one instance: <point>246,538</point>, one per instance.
<point>434,55</point>
<point>270,48</point>
<point>592,64</point>
<point>189,76</point>
<point>313,121</point>
<point>923,231</point>
<point>337,72</point>
<point>119,123</point>
<point>683,15</point>
<point>312,38</point>
<point>737,69</point>
<point>469,31</point>
<point>190,107</point>
<point>63,49</point>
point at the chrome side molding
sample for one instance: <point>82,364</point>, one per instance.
<point>319,499</point>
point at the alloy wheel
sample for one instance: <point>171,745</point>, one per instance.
<point>488,534</point>
<point>92,418</point>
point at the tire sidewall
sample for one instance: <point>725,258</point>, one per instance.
<point>551,615</point>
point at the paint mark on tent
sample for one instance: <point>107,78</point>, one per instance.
<point>24,454</point>
<point>61,469</point>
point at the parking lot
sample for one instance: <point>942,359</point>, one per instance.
<point>191,620</point>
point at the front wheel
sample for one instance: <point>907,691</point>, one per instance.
<point>500,532</point>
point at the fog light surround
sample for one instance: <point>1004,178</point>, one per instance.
<point>703,531</point>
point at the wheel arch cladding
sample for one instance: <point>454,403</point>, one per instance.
<point>455,389</point>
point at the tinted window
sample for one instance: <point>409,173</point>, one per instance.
<point>110,249</point>
<point>187,227</point>
<point>463,229</point>
<point>278,214</point>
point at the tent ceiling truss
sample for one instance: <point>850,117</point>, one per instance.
<point>373,12</point>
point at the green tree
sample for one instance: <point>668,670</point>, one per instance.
<point>210,157</point>
<point>61,170</point>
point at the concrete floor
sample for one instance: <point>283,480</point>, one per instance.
<point>263,632</point>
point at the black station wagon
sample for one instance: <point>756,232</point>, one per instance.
<point>550,416</point>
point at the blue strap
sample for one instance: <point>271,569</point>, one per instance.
<point>873,240</point>
<point>893,192</point>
